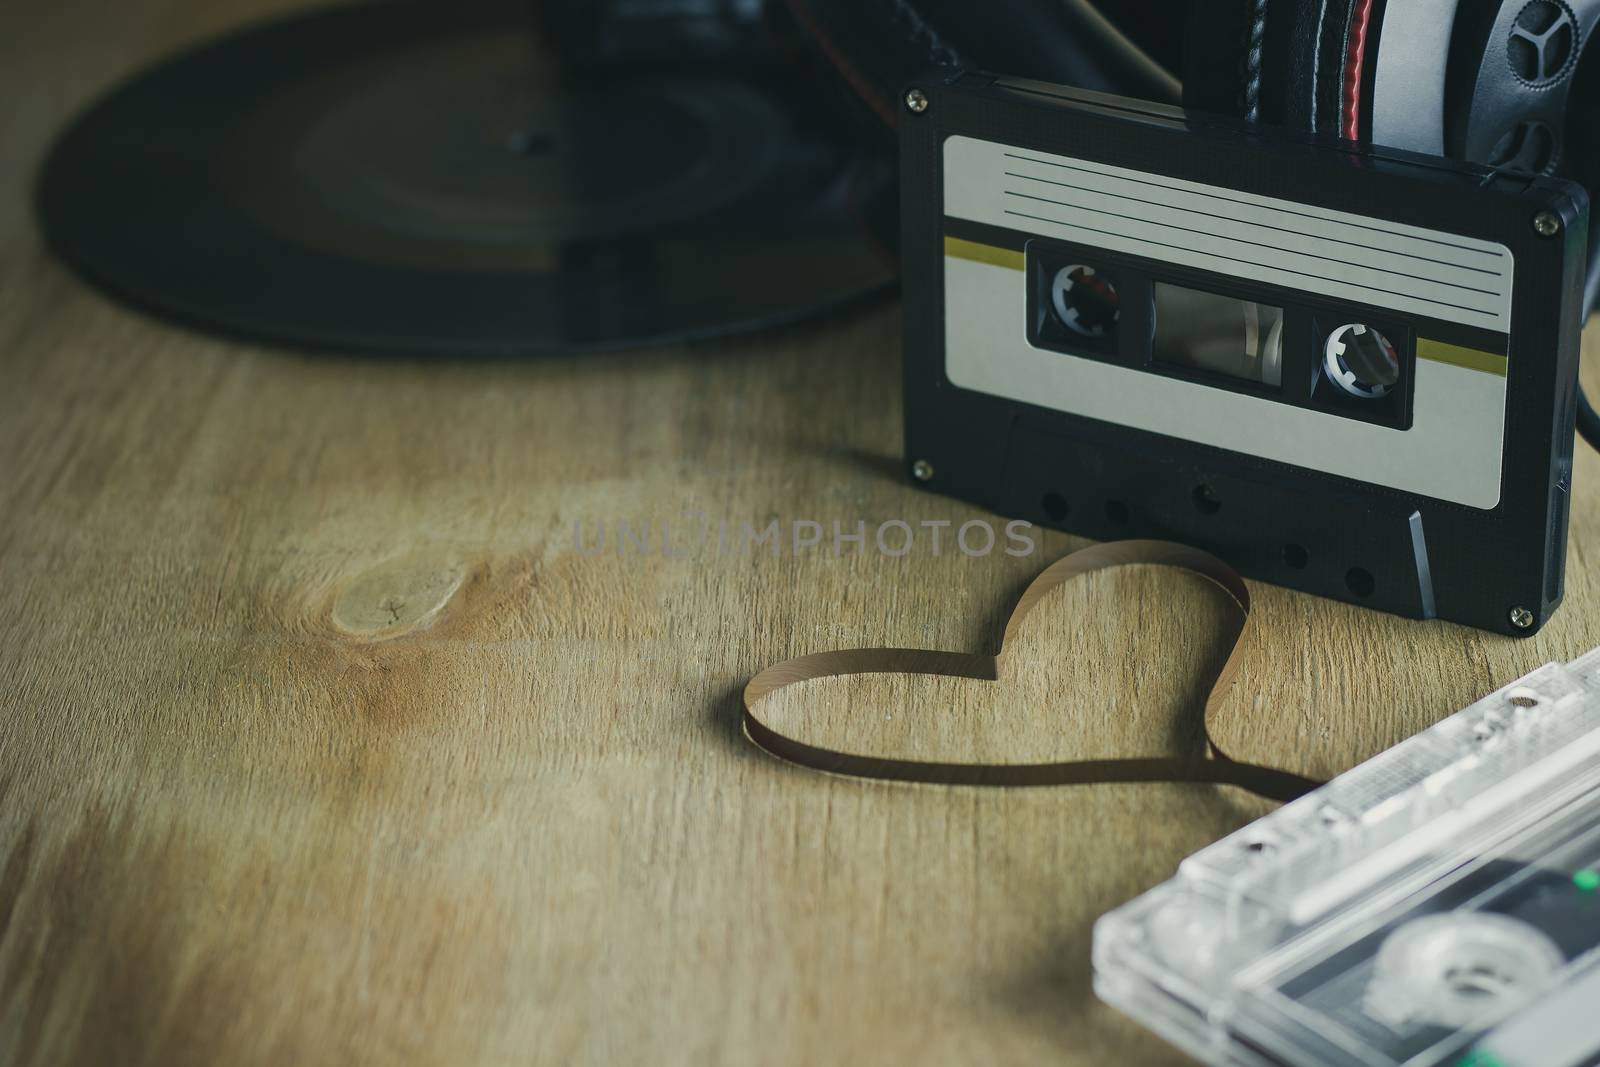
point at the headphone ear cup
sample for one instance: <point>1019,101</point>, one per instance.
<point>1281,62</point>
<point>1520,85</point>
<point>1220,36</point>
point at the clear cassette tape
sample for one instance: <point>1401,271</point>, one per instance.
<point>1437,905</point>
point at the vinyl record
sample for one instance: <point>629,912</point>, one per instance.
<point>427,178</point>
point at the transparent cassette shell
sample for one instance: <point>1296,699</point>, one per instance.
<point>1407,913</point>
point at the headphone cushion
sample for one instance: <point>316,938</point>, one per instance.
<point>1281,62</point>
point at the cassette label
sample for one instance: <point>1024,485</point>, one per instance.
<point>1452,444</point>
<point>1361,259</point>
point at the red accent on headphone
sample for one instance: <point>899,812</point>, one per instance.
<point>1354,67</point>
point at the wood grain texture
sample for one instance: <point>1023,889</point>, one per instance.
<point>320,742</point>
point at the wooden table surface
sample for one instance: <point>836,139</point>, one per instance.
<point>321,743</point>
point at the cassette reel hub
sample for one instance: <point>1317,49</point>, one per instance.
<point>1361,361</point>
<point>1085,300</point>
<point>1461,970</point>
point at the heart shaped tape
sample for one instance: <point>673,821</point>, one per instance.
<point>1217,767</point>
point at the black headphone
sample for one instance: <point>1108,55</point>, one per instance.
<point>1499,82</point>
<point>1491,81</point>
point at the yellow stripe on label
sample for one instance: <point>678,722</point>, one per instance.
<point>1457,356</point>
<point>981,253</point>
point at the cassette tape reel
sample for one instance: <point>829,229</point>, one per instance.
<point>1346,370</point>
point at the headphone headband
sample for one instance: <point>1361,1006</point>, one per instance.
<point>1491,82</point>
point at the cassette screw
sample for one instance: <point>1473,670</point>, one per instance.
<point>916,101</point>
<point>922,470</point>
<point>1546,224</point>
<point>1522,618</point>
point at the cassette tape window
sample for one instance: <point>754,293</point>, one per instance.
<point>1218,334</point>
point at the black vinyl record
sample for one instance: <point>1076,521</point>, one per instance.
<point>428,178</point>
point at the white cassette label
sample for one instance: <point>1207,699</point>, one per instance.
<point>1452,451</point>
<point>1281,242</point>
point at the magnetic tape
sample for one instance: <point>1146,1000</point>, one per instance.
<point>1344,369</point>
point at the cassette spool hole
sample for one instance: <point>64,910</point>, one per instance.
<point>1085,301</point>
<point>1295,556</point>
<point>1054,506</point>
<point>1481,981</point>
<point>1457,968</point>
<point>1361,362</point>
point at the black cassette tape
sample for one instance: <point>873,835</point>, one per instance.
<point>1350,371</point>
